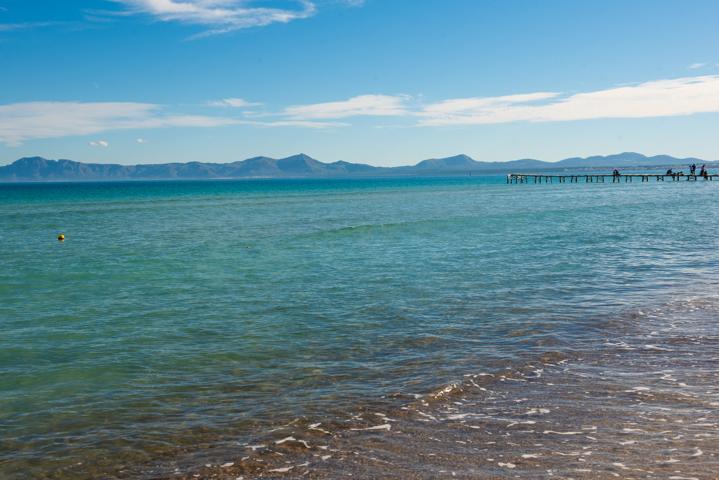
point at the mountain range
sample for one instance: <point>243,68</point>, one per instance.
<point>303,166</point>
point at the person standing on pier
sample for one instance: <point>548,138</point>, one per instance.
<point>693,169</point>
<point>703,171</point>
<point>615,173</point>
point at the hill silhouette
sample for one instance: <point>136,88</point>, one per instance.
<point>304,166</point>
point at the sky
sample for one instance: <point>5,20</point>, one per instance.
<point>383,82</point>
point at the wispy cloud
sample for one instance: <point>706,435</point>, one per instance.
<point>234,102</point>
<point>363,105</point>
<point>294,123</point>
<point>20,122</point>
<point>696,66</point>
<point>219,16</point>
<point>12,27</point>
<point>350,3</point>
<point>140,140</point>
<point>472,105</point>
<point>99,143</point>
<point>660,98</point>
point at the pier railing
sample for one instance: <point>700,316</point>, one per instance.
<point>601,178</point>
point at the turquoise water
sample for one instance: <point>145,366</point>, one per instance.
<point>179,316</point>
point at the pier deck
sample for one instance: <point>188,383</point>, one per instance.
<point>601,178</point>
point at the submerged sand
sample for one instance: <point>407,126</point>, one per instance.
<point>643,404</point>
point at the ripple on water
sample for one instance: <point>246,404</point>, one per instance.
<point>180,319</point>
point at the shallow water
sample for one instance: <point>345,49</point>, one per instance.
<point>624,409</point>
<point>181,322</point>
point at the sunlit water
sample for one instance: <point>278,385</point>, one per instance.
<point>185,323</point>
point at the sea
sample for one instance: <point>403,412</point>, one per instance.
<point>412,328</point>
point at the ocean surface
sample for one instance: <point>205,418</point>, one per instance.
<point>383,328</point>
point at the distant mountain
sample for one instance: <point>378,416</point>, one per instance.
<point>458,162</point>
<point>626,159</point>
<point>304,166</point>
<point>300,166</point>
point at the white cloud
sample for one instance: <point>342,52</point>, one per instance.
<point>220,16</point>
<point>99,143</point>
<point>466,106</point>
<point>660,98</point>
<point>11,27</point>
<point>233,102</point>
<point>363,105</point>
<point>21,122</point>
<point>296,123</point>
<point>695,66</point>
<point>26,121</point>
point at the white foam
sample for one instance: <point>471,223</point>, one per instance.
<point>281,470</point>
<point>525,422</point>
<point>657,348</point>
<point>536,411</point>
<point>459,416</point>
<point>427,415</point>
<point>386,426</point>
<point>316,426</point>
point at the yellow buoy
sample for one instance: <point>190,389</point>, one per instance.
<point>61,237</point>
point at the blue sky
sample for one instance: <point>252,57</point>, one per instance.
<point>385,82</point>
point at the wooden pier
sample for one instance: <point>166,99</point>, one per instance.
<point>601,178</point>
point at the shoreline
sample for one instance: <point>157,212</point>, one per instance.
<point>629,409</point>
<point>643,404</point>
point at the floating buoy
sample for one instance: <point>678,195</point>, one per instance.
<point>61,237</point>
